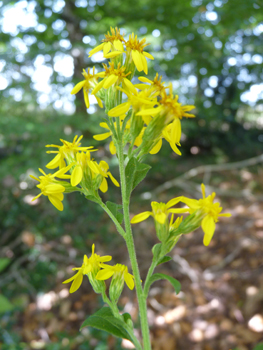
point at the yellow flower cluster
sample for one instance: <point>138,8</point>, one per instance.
<point>151,111</point>
<point>84,171</point>
<point>94,267</point>
<point>207,213</point>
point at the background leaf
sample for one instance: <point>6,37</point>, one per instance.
<point>104,320</point>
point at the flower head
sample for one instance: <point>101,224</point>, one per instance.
<point>101,171</point>
<point>89,83</point>
<point>111,45</point>
<point>160,211</point>
<point>51,187</point>
<point>136,53</point>
<point>117,270</point>
<point>88,266</point>
<point>210,210</point>
<point>156,84</point>
<point>67,151</point>
<point>114,76</point>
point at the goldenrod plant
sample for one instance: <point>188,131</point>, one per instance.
<point>137,119</point>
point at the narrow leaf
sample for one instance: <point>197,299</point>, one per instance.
<point>156,249</point>
<point>93,199</point>
<point>114,208</point>
<point>158,276</point>
<point>141,172</point>
<point>130,173</point>
<point>164,260</point>
<point>105,321</point>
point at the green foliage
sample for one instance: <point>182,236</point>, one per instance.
<point>158,276</point>
<point>164,260</point>
<point>104,320</point>
<point>4,262</point>
<point>115,209</point>
<point>5,304</point>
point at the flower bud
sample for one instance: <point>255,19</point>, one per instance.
<point>116,286</point>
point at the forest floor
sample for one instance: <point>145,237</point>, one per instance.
<point>220,306</point>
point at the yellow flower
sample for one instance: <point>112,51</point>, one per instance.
<point>102,172</point>
<point>112,42</point>
<point>81,168</point>
<point>160,211</point>
<point>67,151</point>
<point>114,76</point>
<point>89,265</point>
<point>91,80</point>
<point>118,270</point>
<point>139,101</point>
<point>136,54</point>
<point>156,84</point>
<point>51,187</point>
<point>210,210</point>
<point>170,107</point>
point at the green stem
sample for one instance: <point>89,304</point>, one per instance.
<point>116,222</point>
<point>149,274</point>
<point>116,313</point>
<point>132,254</point>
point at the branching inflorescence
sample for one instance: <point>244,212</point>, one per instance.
<point>137,127</point>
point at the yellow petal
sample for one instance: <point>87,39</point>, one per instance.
<point>112,148</point>
<point>101,137</point>
<point>54,188</point>
<point>86,98</point>
<point>78,87</point>
<point>144,63</point>
<point>160,218</point>
<point>141,217</point>
<point>99,101</point>
<point>175,148</point>
<point>70,279</point>
<point>157,147</point>
<point>97,87</point>
<point>96,49</point>
<point>56,202</point>
<point>105,258</point>
<point>128,278</point>
<point>106,48</point>
<point>110,81</point>
<point>104,274</point>
<point>104,185</point>
<point>54,163</point>
<point>145,80</point>
<point>119,110</point>
<point>148,55</point>
<point>173,201</point>
<point>77,282</point>
<point>118,45</point>
<point>129,85</point>
<point>113,54</point>
<point>208,225</point>
<point>137,60</point>
<point>113,179</point>
<point>150,111</point>
<point>76,176</point>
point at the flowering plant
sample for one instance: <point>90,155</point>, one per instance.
<point>137,127</point>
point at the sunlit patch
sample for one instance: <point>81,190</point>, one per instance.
<point>28,200</point>
<point>256,323</point>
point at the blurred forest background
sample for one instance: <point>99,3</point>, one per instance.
<point>212,52</point>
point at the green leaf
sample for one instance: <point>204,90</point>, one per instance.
<point>159,276</point>
<point>105,321</point>
<point>114,208</point>
<point>93,199</point>
<point>141,171</point>
<point>156,249</point>
<point>164,260</point>
<point>127,317</point>
<point>3,263</point>
<point>5,304</point>
<point>130,174</point>
<point>258,347</point>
